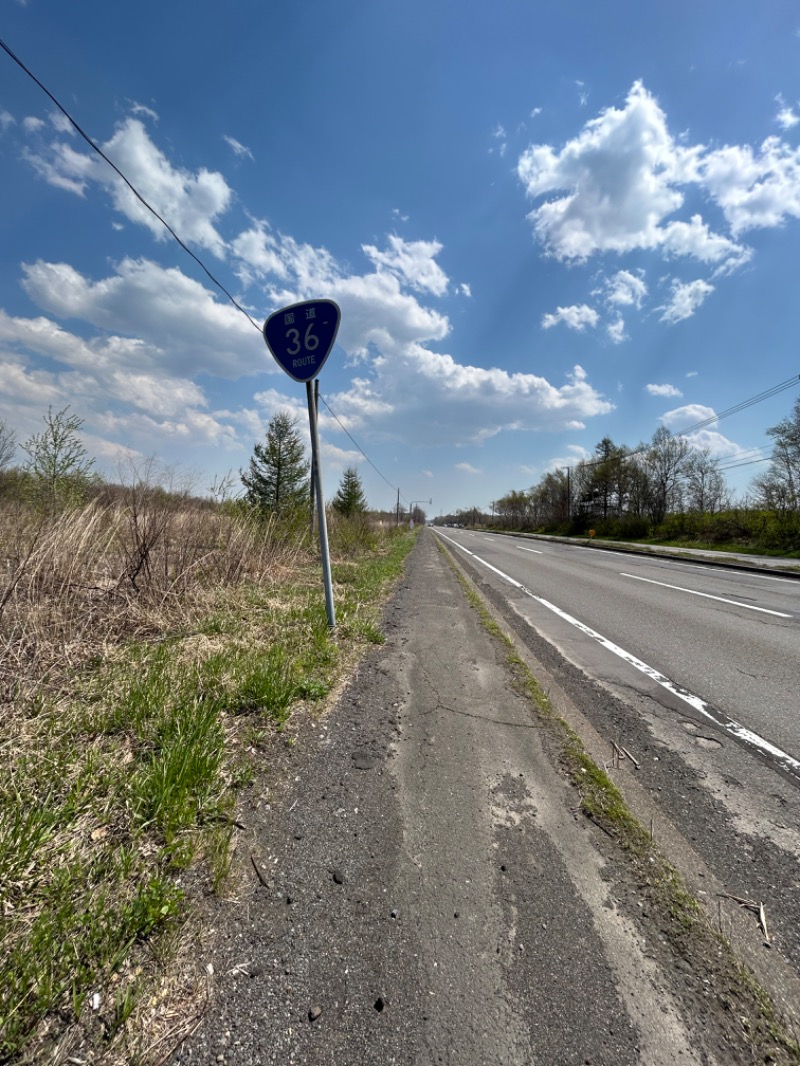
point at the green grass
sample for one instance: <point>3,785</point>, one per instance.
<point>123,784</point>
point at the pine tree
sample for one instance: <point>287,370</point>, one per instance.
<point>350,499</point>
<point>277,478</point>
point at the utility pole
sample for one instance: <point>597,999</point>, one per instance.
<point>398,507</point>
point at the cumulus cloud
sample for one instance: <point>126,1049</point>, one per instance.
<point>577,317</point>
<point>6,119</point>
<point>624,289</point>
<point>754,189</point>
<point>412,262</point>
<point>620,180</point>
<point>689,415</point>
<point>460,404</point>
<point>663,390</point>
<point>180,325</point>
<point>468,468</point>
<point>685,298</point>
<point>150,331</point>
<point>787,117</point>
<point>190,202</point>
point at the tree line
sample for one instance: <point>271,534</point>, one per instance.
<point>662,489</point>
<point>58,471</point>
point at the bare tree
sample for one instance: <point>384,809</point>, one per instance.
<point>705,488</point>
<point>665,462</point>
<point>8,444</point>
<point>779,487</point>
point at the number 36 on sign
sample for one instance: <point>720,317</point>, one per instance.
<point>301,336</point>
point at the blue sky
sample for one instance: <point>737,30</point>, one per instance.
<point>544,224</point>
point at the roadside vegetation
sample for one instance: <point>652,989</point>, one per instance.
<point>666,491</point>
<point>153,646</point>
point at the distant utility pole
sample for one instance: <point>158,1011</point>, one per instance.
<point>398,507</point>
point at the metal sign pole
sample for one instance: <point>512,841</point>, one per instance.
<point>321,519</point>
<point>300,338</point>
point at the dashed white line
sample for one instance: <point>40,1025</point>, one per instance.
<point>534,550</point>
<point>722,721</point>
<point>707,596</point>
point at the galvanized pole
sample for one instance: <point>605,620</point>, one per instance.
<point>321,520</point>
<point>313,481</point>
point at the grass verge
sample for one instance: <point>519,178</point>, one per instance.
<point>747,1010</point>
<point>119,787</point>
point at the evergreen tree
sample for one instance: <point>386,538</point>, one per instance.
<point>350,499</point>
<point>277,478</point>
<point>58,465</point>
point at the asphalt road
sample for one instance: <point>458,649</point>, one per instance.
<point>727,639</point>
<point>716,736</point>
<point>415,884</point>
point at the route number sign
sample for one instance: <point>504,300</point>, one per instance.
<point>301,336</point>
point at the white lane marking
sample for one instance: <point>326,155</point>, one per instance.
<point>707,596</point>
<point>647,557</point>
<point>722,721</point>
<point>740,573</point>
<point>535,552</point>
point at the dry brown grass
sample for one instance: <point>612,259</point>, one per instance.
<point>78,582</point>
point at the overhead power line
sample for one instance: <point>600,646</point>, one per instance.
<point>355,442</point>
<point>170,230</point>
<point>765,395</point>
<point>134,190</point>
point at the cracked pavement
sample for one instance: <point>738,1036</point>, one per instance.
<point>421,889</point>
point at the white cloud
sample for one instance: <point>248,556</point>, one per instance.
<point>691,373</point>
<point>152,330</point>
<point>616,331</point>
<point>260,252</point>
<point>32,124</point>
<point>412,262</point>
<point>239,149</point>
<point>535,111</point>
<point>688,415</point>
<point>787,117</point>
<point>576,317</point>
<point>60,123</point>
<point>625,289</point>
<point>717,445</point>
<point>189,202</point>
<point>465,289</point>
<point>63,167</point>
<point>468,468</point>
<point>663,390</point>
<point>180,326</point>
<point>754,189</point>
<point>142,109</point>
<point>110,367</point>
<point>6,119</point>
<point>621,178</point>
<point>453,403</point>
<point>685,299</point>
